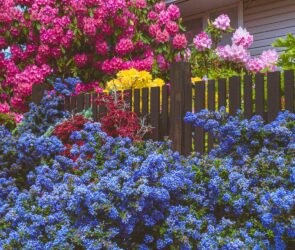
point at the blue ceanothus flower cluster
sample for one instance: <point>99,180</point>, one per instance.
<point>41,117</point>
<point>118,194</point>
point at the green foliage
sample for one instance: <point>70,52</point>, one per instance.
<point>8,121</point>
<point>287,59</point>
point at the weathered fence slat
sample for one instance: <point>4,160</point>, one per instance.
<point>180,78</point>
<point>211,106</point>
<point>221,93</point>
<point>87,101</point>
<point>234,94</point>
<point>74,103</point>
<point>155,112</point>
<point>248,93</point>
<point>199,141</point>
<point>94,107</point>
<point>128,98</point>
<point>289,90</point>
<point>80,102</point>
<point>165,112</point>
<point>273,95</point>
<point>145,102</point>
<point>259,95</point>
<point>137,101</point>
<point>38,92</point>
<point>67,103</point>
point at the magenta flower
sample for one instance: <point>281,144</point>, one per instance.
<point>173,12</point>
<point>222,22</point>
<point>242,37</point>
<point>152,15</point>
<point>124,46</point>
<point>202,41</point>
<point>162,36</point>
<point>80,60</point>
<point>163,17</point>
<point>179,41</point>
<point>172,28</point>
<point>140,4</point>
<point>101,47</point>
<point>160,6</point>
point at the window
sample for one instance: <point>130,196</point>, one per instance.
<point>196,25</point>
<point>234,22</point>
<point>193,27</point>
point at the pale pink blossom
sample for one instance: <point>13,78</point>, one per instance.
<point>222,22</point>
<point>233,53</point>
<point>202,41</point>
<point>270,58</point>
<point>242,37</point>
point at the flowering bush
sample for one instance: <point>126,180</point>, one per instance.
<point>92,39</point>
<point>112,193</point>
<point>131,79</point>
<point>212,61</point>
<point>43,116</point>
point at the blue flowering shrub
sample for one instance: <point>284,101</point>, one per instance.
<point>250,178</point>
<point>41,117</point>
<point>117,194</point>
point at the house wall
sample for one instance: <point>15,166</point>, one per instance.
<point>268,20</point>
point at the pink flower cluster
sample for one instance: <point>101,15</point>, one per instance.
<point>267,60</point>
<point>202,41</point>
<point>165,25</point>
<point>234,53</point>
<point>89,37</point>
<point>222,22</point>
<point>242,37</point>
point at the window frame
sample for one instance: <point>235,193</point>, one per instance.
<point>206,14</point>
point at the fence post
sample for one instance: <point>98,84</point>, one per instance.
<point>181,102</point>
<point>38,92</point>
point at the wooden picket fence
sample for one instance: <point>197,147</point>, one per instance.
<point>166,107</point>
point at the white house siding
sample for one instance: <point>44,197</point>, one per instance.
<point>268,20</point>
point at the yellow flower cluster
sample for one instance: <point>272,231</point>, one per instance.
<point>196,79</point>
<point>133,79</point>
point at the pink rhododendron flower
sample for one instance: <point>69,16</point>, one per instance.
<point>153,29</point>
<point>4,108</point>
<point>162,62</point>
<point>3,43</point>
<point>270,58</point>
<point>163,17</point>
<point>17,117</point>
<point>242,37</point>
<point>173,12</point>
<point>179,41</point>
<point>101,47</point>
<point>255,65</point>
<point>160,6</point>
<point>222,22</point>
<point>162,36</point>
<point>152,15</point>
<point>112,66</point>
<point>140,4</point>
<point>202,41</point>
<point>80,60</point>
<point>233,53</point>
<point>124,46</point>
<point>172,28</point>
